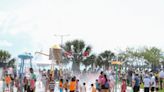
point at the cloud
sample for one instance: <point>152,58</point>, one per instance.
<point>5,43</point>
<point>106,24</point>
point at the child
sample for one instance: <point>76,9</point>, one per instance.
<point>98,88</point>
<point>123,86</point>
<point>112,83</point>
<point>77,86</point>
<point>72,86</point>
<point>83,88</point>
<point>93,89</point>
<point>51,84</point>
<point>25,81</point>
<point>61,85</point>
<point>7,80</point>
<point>17,84</point>
<point>66,86</point>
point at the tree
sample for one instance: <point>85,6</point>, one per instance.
<point>4,56</point>
<point>131,57</point>
<point>11,63</point>
<point>89,61</point>
<point>77,52</point>
<point>153,55</point>
<point>5,59</point>
<point>105,58</point>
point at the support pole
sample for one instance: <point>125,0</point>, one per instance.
<point>116,78</point>
<point>31,63</point>
<point>52,68</point>
<point>21,75</point>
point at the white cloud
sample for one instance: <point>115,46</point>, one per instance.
<point>5,43</point>
<point>104,24</point>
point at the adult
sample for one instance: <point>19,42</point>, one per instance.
<point>44,81</point>
<point>161,77</point>
<point>129,80</point>
<point>105,84</point>
<point>136,82</point>
<point>31,82</point>
<point>147,83</point>
<point>101,79</point>
<point>153,82</point>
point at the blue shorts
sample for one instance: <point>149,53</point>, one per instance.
<point>61,90</point>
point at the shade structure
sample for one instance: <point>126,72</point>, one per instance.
<point>25,56</point>
<point>56,46</point>
<point>116,63</point>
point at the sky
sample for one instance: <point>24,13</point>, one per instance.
<point>30,25</point>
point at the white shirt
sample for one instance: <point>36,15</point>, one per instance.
<point>83,89</point>
<point>111,77</point>
<point>133,76</point>
<point>161,74</point>
<point>147,82</point>
<point>78,89</point>
<point>153,81</point>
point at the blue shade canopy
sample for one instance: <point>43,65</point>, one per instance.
<point>25,56</point>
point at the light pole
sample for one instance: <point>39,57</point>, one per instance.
<point>62,37</point>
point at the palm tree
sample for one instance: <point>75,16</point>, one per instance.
<point>77,52</point>
<point>105,58</point>
<point>89,61</point>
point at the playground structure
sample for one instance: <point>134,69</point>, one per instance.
<point>55,54</point>
<point>24,57</point>
<point>116,63</point>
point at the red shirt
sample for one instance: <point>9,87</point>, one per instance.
<point>123,86</point>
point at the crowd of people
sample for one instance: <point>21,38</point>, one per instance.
<point>152,81</point>
<point>12,80</point>
<point>87,81</point>
<point>149,81</point>
<point>78,83</point>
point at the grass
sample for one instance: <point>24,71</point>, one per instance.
<point>161,90</point>
<point>142,87</point>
